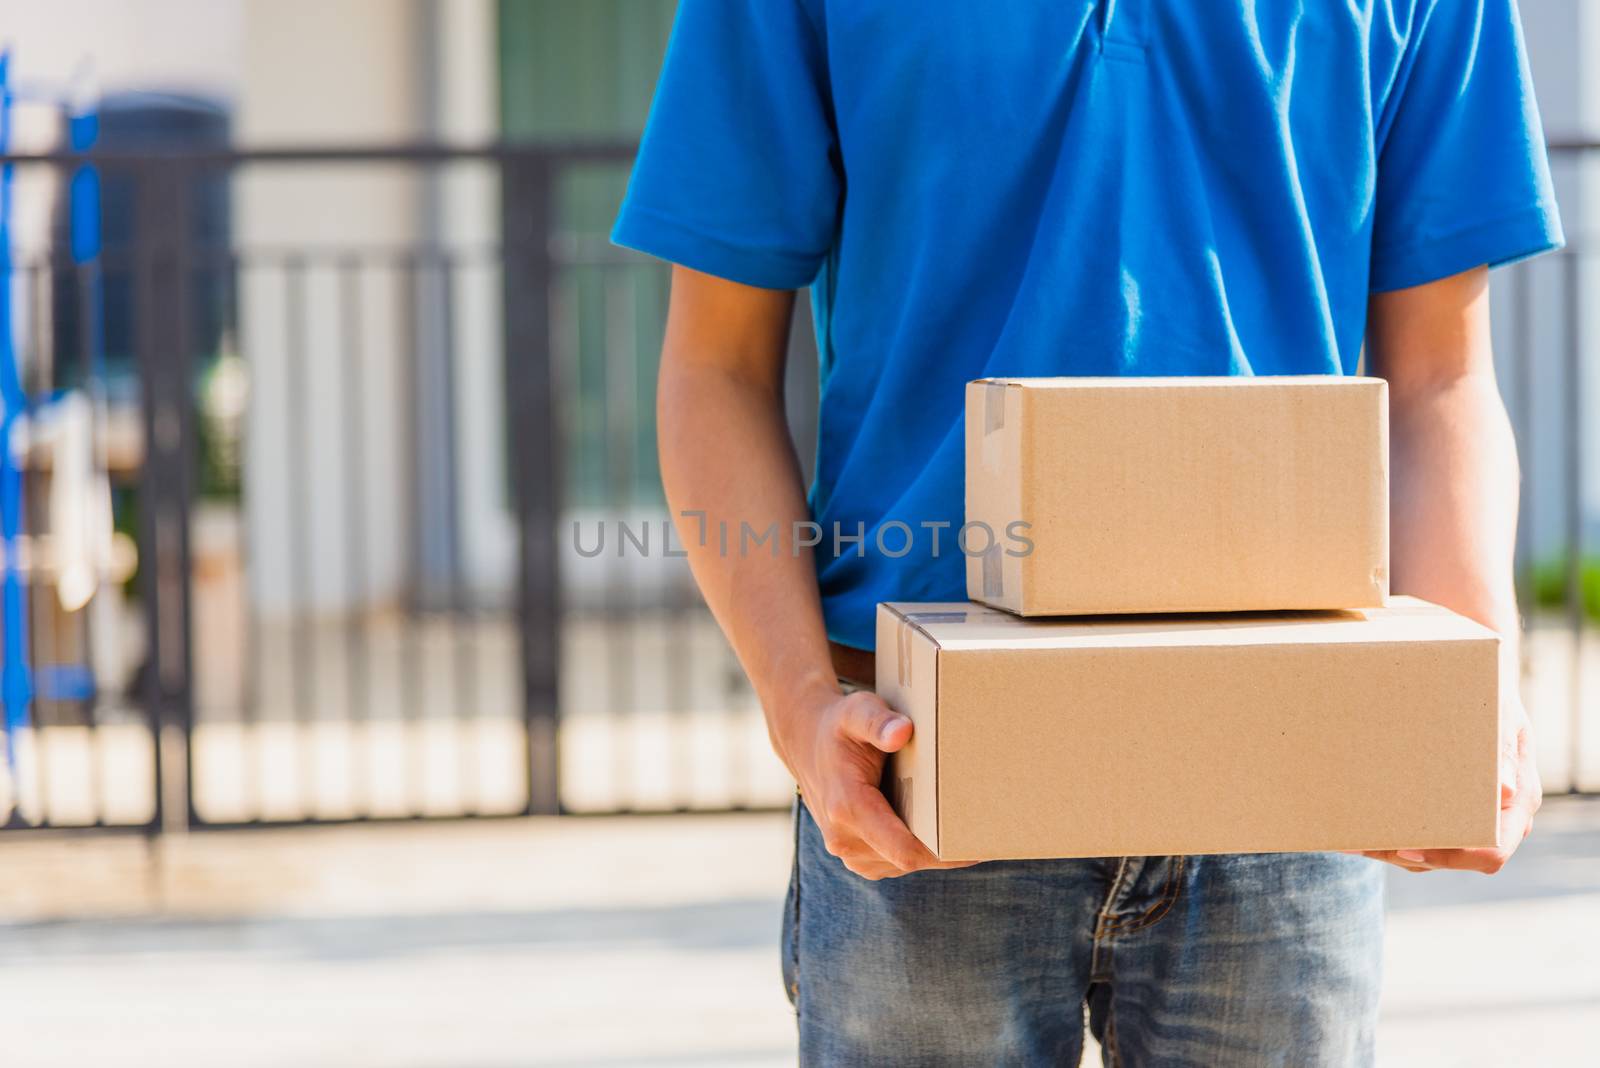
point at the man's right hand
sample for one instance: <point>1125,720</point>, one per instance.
<point>726,456</point>
<point>836,753</point>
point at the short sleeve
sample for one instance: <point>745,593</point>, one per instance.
<point>737,174</point>
<point>1463,180</point>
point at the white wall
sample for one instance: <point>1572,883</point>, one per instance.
<point>186,45</point>
<point>324,73</point>
<point>1580,227</point>
<point>1562,37</point>
<point>72,50</point>
<point>334,72</point>
<point>370,72</point>
<point>469,213</point>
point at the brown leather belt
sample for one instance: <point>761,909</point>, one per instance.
<point>858,666</point>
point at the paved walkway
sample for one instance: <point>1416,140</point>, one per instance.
<point>608,942</point>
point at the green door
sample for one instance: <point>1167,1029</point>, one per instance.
<point>574,70</point>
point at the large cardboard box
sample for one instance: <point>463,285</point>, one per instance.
<point>1364,729</point>
<point>1177,494</point>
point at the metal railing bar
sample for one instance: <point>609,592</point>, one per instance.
<point>565,251</point>
<point>252,773</point>
<point>1522,376</point>
<point>618,387</point>
<point>409,280</point>
<point>566,153</point>
<point>184,462</point>
<point>463,677</point>
<point>353,507</point>
<point>298,512</point>
<point>87,277</point>
<point>41,650</point>
<point>1572,429</point>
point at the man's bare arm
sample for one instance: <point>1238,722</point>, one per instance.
<point>1454,502</point>
<point>726,461</point>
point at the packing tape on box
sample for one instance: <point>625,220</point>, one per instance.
<point>937,617</point>
<point>903,642</point>
<point>993,574</point>
<point>994,407</point>
<point>902,798</point>
<point>903,650</point>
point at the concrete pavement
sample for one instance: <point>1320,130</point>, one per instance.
<point>605,942</point>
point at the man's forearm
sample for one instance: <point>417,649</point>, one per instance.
<point>725,451</point>
<point>1453,526</point>
<point>726,458</point>
<point>1455,487</point>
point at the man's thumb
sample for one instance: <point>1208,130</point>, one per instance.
<point>876,724</point>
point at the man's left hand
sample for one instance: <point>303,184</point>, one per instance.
<point>1520,795</point>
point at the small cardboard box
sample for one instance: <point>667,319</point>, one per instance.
<point>1177,494</point>
<point>1362,729</point>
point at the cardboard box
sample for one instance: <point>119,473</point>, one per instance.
<point>1364,729</point>
<point>1177,494</point>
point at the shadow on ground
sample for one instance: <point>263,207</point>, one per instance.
<point>1561,857</point>
<point>717,925</point>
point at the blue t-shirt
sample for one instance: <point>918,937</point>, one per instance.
<point>1047,187</point>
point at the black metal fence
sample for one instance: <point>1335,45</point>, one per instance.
<point>360,419</point>
<point>1544,348</point>
<point>344,469</point>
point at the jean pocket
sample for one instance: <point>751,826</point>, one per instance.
<point>790,938</point>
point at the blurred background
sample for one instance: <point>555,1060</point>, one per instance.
<point>322,387</point>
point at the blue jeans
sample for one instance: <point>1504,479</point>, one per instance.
<point>1214,961</point>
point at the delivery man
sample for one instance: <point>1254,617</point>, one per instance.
<point>1069,187</point>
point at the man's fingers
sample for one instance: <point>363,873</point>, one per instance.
<point>1516,822</point>
<point>1414,860</point>
<point>1520,796</point>
<point>886,835</point>
<point>864,832</point>
<point>870,866</point>
<point>865,718</point>
<point>1486,861</point>
<point>856,855</point>
<point>861,828</point>
<point>1511,768</point>
<point>1423,860</point>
